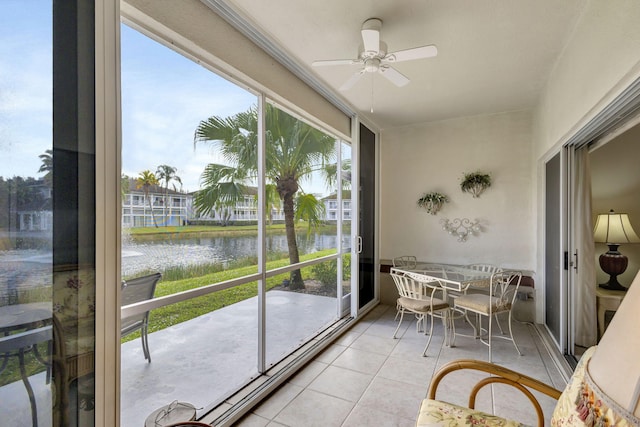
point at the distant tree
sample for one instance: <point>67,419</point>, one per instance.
<point>47,167</point>
<point>124,186</point>
<point>166,174</point>
<point>145,180</point>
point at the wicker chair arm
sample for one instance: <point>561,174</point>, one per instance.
<point>501,375</point>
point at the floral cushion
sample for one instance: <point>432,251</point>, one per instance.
<point>582,403</point>
<point>441,414</point>
<point>74,303</point>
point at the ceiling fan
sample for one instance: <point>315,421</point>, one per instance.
<point>374,58</point>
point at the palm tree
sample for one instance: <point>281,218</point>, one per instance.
<point>294,150</point>
<point>309,209</point>
<point>47,167</point>
<point>272,200</point>
<point>167,174</point>
<point>145,180</point>
<point>223,188</point>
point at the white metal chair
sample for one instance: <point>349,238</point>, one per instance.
<point>488,268</point>
<point>418,296</point>
<point>502,294</point>
<point>404,261</point>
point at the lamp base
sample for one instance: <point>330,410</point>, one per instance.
<point>613,285</point>
<point>613,263</point>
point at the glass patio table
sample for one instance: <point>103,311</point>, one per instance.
<point>454,278</point>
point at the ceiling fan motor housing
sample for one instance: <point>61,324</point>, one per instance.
<point>371,65</point>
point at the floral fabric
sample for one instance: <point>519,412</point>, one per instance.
<point>74,304</point>
<point>583,404</point>
<point>434,413</point>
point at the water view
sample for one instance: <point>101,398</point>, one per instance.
<point>161,254</point>
<point>30,268</point>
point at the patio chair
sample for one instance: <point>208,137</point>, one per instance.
<point>418,296</point>
<point>603,390</point>
<point>136,290</point>
<point>404,261</point>
<point>502,294</point>
<point>488,268</point>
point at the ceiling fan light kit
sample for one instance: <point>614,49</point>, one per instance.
<point>373,57</point>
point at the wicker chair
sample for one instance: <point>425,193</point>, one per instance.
<point>603,390</point>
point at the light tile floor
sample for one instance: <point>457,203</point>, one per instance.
<point>367,378</point>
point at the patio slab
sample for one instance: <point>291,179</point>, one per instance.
<point>200,361</point>
<point>205,359</point>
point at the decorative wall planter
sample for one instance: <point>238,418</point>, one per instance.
<point>432,202</point>
<point>475,183</point>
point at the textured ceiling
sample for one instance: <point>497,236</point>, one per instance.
<point>493,55</point>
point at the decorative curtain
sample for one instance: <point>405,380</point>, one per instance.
<point>586,324</point>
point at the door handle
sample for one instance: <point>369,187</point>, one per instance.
<point>358,244</point>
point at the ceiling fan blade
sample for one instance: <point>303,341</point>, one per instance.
<point>352,80</point>
<point>326,62</point>
<point>413,53</point>
<point>394,76</point>
<point>371,35</point>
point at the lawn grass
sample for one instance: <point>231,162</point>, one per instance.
<point>174,314</point>
<point>229,230</point>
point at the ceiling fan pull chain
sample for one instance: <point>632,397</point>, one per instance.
<point>371,93</point>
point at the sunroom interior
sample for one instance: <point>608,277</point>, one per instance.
<point>502,96</point>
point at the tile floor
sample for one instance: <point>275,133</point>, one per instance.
<point>367,378</point>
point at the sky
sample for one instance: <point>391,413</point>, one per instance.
<point>25,86</point>
<point>164,97</point>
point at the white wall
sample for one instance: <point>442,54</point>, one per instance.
<point>434,157</point>
<point>600,59</point>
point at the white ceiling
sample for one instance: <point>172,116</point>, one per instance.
<point>493,55</point>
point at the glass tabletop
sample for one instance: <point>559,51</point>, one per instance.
<point>452,276</point>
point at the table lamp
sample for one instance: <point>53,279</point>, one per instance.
<point>614,229</point>
<point>614,367</point>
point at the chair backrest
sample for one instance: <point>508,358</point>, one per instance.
<point>407,287</point>
<point>422,285</point>
<point>486,268</point>
<point>504,286</point>
<point>406,261</point>
<point>136,290</point>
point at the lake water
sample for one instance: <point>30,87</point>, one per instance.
<point>158,255</point>
<point>22,269</point>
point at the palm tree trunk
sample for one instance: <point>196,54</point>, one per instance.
<point>295,280</point>
<point>153,217</point>
<point>164,204</point>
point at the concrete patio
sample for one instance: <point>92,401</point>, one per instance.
<point>200,361</point>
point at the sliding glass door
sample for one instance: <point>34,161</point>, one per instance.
<point>47,213</point>
<point>366,217</point>
<point>242,206</point>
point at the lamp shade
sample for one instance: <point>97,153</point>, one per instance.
<point>615,366</point>
<point>615,228</point>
